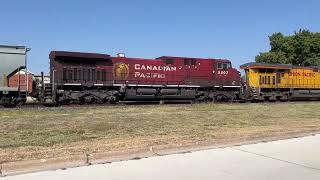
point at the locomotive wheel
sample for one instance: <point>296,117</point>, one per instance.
<point>112,99</point>
<point>81,101</point>
<point>101,101</point>
<point>220,98</point>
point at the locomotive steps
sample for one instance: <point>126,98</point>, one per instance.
<point>54,138</point>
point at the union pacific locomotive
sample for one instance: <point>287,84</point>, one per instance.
<point>82,78</point>
<point>281,82</point>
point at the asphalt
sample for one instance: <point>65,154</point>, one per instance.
<point>293,159</point>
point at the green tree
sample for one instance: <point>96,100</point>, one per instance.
<point>302,48</point>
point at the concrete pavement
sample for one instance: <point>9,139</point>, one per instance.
<point>286,159</point>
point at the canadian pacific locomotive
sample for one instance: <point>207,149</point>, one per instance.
<point>89,77</point>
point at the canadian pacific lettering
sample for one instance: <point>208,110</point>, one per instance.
<point>152,72</point>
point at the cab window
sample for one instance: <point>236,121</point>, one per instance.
<point>223,66</point>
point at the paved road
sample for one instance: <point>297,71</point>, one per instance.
<point>287,159</point>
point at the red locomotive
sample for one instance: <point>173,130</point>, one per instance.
<point>89,77</point>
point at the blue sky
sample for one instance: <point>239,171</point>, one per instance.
<point>233,29</point>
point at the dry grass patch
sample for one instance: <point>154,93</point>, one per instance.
<point>50,132</point>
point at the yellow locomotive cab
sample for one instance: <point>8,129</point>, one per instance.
<point>280,82</point>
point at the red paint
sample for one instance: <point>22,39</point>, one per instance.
<point>201,72</point>
<point>14,82</point>
<point>156,71</point>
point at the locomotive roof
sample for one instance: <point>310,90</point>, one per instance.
<point>72,55</point>
<point>67,54</point>
<point>175,57</point>
<point>274,66</point>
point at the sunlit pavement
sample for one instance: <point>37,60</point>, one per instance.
<point>286,159</point>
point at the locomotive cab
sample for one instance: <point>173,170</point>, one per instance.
<point>225,75</point>
<point>262,81</point>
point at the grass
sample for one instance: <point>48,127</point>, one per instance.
<point>31,133</point>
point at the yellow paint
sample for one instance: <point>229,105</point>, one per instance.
<point>121,71</point>
<point>305,78</point>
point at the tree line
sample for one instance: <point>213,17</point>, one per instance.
<point>302,49</point>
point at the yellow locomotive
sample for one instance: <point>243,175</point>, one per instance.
<point>272,82</point>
